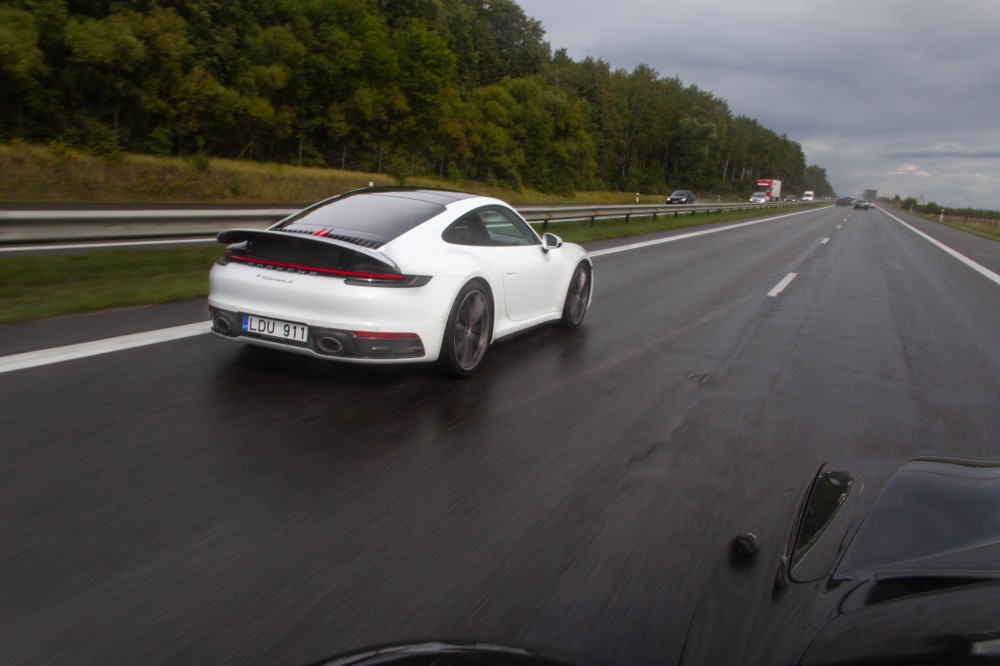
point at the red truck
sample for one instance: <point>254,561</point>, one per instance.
<point>771,187</point>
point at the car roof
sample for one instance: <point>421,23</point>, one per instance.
<point>372,216</point>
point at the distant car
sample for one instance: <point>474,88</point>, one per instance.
<point>808,196</point>
<point>791,197</point>
<point>758,197</point>
<point>844,201</point>
<point>396,275</point>
<point>861,204</point>
<point>681,197</point>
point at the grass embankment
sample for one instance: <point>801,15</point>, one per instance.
<point>978,227</point>
<point>47,286</point>
<point>35,174</point>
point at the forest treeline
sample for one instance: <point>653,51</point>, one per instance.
<point>463,89</point>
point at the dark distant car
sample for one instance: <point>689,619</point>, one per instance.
<point>790,197</point>
<point>845,201</point>
<point>861,204</point>
<point>883,565</point>
<point>681,197</point>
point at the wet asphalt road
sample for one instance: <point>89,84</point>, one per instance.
<point>201,502</point>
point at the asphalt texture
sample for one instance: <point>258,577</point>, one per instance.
<point>200,501</point>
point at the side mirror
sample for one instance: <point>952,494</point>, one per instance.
<point>550,242</point>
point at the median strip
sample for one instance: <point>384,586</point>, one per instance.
<point>83,350</point>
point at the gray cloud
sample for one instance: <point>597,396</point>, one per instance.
<point>861,85</point>
<point>968,154</point>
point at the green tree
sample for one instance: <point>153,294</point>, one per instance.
<point>22,64</point>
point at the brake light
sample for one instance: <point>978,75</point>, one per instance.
<point>315,269</point>
<point>378,335</point>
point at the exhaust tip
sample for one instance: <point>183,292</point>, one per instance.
<point>222,323</point>
<point>329,345</point>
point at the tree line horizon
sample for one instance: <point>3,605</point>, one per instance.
<point>460,89</point>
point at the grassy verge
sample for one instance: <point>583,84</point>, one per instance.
<point>49,286</point>
<point>57,174</point>
<point>983,229</point>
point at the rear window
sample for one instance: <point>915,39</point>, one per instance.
<point>371,216</point>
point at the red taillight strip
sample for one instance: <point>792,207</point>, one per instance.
<point>327,271</point>
<point>375,335</point>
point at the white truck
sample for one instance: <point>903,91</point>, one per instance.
<point>771,187</point>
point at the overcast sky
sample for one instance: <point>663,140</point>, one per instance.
<point>902,96</point>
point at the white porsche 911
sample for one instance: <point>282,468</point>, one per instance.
<point>396,275</point>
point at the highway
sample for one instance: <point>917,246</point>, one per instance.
<point>197,501</point>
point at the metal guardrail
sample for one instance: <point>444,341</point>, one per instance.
<point>65,225</point>
<point>569,213</point>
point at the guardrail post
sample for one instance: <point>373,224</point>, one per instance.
<point>545,225</point>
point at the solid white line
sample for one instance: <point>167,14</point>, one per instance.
<point>71,352</point>
<point>671,239</point>
<point>780,287</point>
<point>982,270</point>
<point>840,226</point>
<point>824,241</point>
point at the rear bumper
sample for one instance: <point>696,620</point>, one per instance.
<point>328,343</point>
<point>361,324</point>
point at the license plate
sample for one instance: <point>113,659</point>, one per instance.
<point>275,328</point>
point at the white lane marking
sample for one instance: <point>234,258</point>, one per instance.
<point>840,226</point>
<point>824,241</point>
<point>83,350</point>
<point>671,239</point>
<point>70,352</point>
<point>982,270</point>
<point>781,286</point>
<point>101,246</point>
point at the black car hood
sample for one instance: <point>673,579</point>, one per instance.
<point>892,572</point>
<point>936,516</point>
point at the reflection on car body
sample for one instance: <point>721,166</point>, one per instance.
<point>396,275</point>
<point>910,574</point>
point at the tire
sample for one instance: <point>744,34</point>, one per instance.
<point>468,331</point>
<point>577,297</point>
